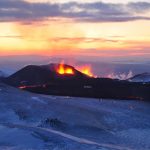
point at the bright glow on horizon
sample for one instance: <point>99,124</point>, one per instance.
<point>67,36</point>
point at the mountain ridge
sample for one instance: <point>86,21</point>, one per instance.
<point>42,74</point>
<point>143,77</point>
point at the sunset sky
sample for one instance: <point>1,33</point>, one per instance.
<point>106,28</point>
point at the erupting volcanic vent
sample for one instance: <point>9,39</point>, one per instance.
<point>66,80</point>
<point>33,75</point>
<point>65,70</point>
<point>86,70</point>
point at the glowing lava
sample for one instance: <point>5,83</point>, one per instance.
<point>65,70</point>
<point>86,70</point>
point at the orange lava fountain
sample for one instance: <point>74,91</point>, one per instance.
<point>86,70</point>
<point>64,70</point>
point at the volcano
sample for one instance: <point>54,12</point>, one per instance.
<point>44,74</point>
<point>58,79</point>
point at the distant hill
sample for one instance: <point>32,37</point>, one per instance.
<point>44,74</point>
<point>144,77</point>
<point>2,74</point>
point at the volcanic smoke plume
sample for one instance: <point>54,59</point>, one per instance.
<point>121,76</point>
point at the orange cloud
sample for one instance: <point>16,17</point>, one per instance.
<point>66,37</point>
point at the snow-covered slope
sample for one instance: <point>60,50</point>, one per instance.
<point>31,121</point>
<point>144,77</point>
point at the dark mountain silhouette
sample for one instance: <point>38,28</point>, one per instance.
<point>46,80</point>
<point>144,77</point>
<point>44,74</point>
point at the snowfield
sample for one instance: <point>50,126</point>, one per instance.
<point>38,122</point>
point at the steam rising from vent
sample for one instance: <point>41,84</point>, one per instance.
<point>122,76</point>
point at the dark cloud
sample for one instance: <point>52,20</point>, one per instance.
<point>18,10</point>
<point>139,7</point>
